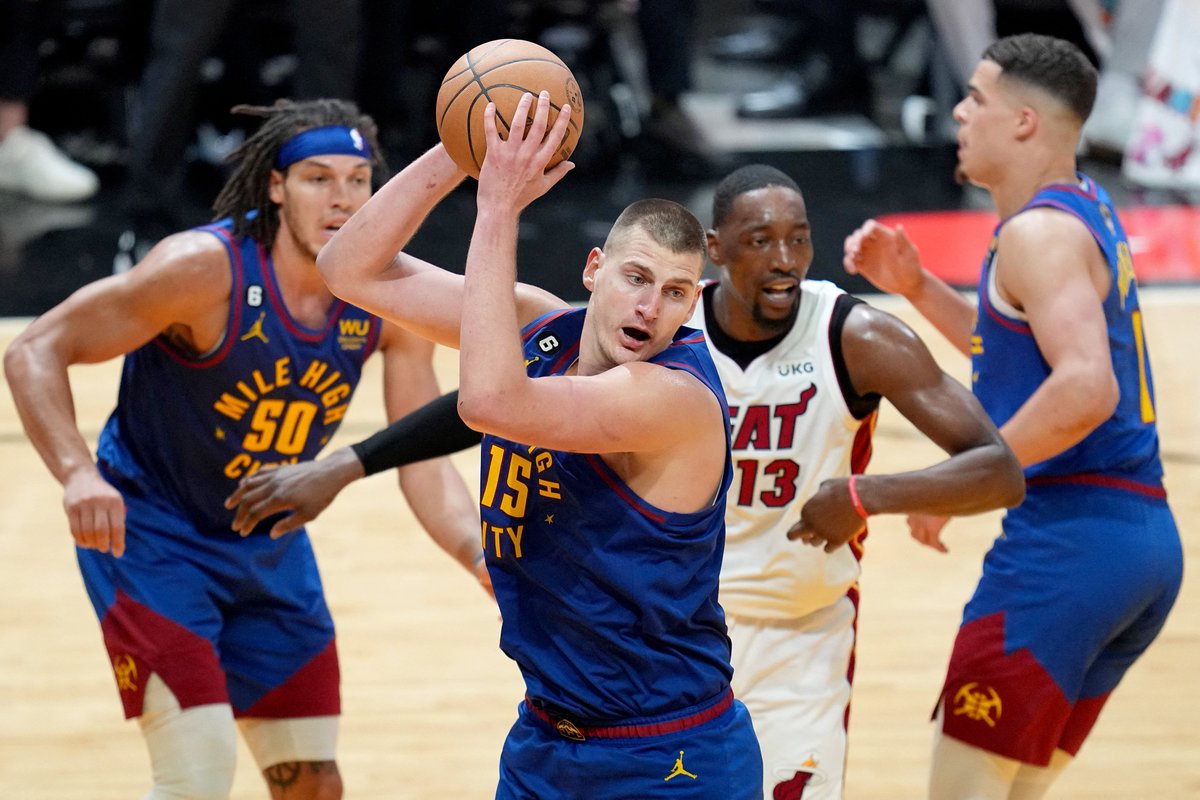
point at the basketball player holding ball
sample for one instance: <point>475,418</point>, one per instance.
<point>605,466</point>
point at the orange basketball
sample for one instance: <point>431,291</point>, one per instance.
<point>501,71</point>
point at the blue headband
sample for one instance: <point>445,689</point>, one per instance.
<point>332,140</point>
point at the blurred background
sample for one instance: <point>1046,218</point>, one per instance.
<point>121,110</point>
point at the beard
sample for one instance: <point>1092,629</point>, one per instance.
<point>775,326</point>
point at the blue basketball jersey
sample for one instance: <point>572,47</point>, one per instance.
<point>609,603</point>
<point>187,427</point>
<point>1007,366</point>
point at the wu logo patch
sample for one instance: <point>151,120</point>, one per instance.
<point>679,770</point>
<point>352,333</point>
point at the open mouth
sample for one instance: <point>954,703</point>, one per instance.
<point>636,333</point>
<point>781,290</point>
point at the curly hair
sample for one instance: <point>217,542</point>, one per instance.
<point>245,197</point>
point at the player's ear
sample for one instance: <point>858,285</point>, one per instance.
<point>714,247</point>
<point>275,188</point>
<point>1027,122</point>
<point>695,300</point>
<point>595,257</point>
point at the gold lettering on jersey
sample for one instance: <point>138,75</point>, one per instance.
<point>335,395</point>
<point>494,535</point>
<point>336,413</point>
<point>1125,276</point>
<point>230,406</point>
<point>280,426</point>
<point>976,346</point>
<point>354,327</point>
<point>515,471</point>
<point>978,705</point>
<point>511,479</point>
<point>244,464</point>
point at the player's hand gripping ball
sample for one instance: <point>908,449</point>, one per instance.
<point>501,71</point>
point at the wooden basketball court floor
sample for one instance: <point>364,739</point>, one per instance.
<point>428,696</point>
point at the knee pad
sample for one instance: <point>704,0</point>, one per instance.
<point>193,752</point>
<point>281,741</point>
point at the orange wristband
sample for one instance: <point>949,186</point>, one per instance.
<point>858,506</point>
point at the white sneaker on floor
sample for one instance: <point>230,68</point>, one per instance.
<point>31,165</point>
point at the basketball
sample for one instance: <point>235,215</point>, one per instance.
<point>501,71</point>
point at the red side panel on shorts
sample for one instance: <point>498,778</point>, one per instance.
<point>141,642</point>
<point>1006,704</point>
<point>312,691</point>
<point>1082,720</point>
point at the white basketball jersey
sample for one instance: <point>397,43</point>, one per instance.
<point>791,430</point>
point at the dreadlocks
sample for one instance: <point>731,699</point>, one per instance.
<point>248,187</point>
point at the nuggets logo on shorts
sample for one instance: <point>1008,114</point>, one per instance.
<point>568,730</point>
<point>978,705</point>
<point>125,670</point>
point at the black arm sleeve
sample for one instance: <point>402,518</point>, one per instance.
<point>435,429</point>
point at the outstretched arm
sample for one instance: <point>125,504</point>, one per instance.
<point>887,258</point>
<point>885,357</point>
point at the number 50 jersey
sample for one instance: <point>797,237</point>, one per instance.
<point>187,426</point>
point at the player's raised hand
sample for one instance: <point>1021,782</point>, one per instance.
<point>884,256</point>
<point>514,170</point>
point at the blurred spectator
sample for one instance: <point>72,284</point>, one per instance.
<point>826,72</point>
<point>964,28</point>
<point>30,163</point>
<point>1108,130</point>
<point>325,38</point>
<point>1162,151</point>
<point>670,136</point>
